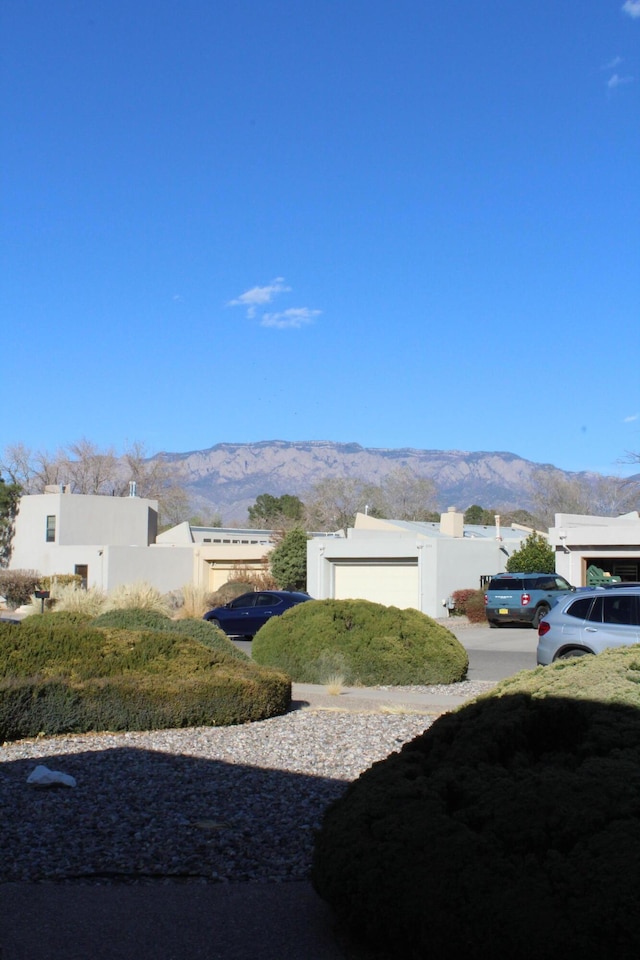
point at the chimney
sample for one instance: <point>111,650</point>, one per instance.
<point>452,523</point>
<point>132,488</point>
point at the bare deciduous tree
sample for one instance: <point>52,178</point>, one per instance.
<point>332,504</point>
<point>552,492</point>
<point>90,470</point>
<point>406,496</point>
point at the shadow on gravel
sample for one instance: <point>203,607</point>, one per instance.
<point>138,815</point>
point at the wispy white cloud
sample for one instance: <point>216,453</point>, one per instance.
<point>615,62</point>
<point>631,418</point>
<point>294,317</point>
<point>632,7</point>
<point>615,80</point>
<point>259,296</point>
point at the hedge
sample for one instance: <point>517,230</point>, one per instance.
<point>60,676</point>
<point>511,827</point>
<point>362,642</point>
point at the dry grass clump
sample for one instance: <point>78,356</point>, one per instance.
<point>194,602</point>
<point>70,598</point>
<point>137,596</point>
<point>335,685</point>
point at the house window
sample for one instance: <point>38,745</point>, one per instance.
<point>51,529</point>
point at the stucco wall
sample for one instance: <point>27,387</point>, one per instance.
<point>444,564</point>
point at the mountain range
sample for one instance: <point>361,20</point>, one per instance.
<point>227,477</point>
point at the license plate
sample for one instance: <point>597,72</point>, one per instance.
<point>503,610</point>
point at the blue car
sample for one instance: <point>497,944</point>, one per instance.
<point>244,616</point>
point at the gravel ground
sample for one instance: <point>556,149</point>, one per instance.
<point>214,804</point>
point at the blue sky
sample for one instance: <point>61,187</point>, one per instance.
<point>409,224</point>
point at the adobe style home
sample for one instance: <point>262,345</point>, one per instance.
<point>111,541</point>
<point>405,563</point>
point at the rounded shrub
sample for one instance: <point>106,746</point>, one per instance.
<point>511,827</point>
<point>60,674</point>
<point>201,630</point>
<point>362,642</point>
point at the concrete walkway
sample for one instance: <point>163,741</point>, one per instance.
<point>243,921</point>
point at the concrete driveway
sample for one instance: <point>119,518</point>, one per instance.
<point>495,654</point>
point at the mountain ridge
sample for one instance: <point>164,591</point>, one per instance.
<point>227,477</point>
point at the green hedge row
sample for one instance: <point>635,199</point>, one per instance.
<point>59,674</point>
<point>362,642</point>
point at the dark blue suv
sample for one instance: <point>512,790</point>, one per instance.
<point>523,597</point>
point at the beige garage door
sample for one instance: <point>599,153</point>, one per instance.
<point>392,583</point>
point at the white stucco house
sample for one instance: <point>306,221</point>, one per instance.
<point>109,541</point>
<point>610,543</point>
<point>409,564</point>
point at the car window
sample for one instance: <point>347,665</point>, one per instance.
<point>620,610</point>
<point>580,608</point>
<point>546,583</point>
<point>505,583</point>
<point>596,611</point>
<point>264,600</point>
<point>562,584</point>
<point>248,600</point>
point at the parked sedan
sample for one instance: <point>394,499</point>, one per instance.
<point>589,622</point>
<point>244,616</point>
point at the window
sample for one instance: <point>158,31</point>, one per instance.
<point>621,610</point>
<point>247,600</point>
<point>580,608</point>
<point>264,600</point>
<point>51,529</point>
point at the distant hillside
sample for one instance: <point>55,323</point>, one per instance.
<point>228,477</point>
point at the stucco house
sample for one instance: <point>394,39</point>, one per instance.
<point>610,543</point>
<point>110,541</point>
<point>409,564</point>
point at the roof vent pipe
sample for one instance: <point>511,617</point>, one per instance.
<point>132,488</point>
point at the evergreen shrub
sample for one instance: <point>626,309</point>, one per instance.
<point>58,675</point>
<point>511,827</point>
<point>201,630</point>
<point>364,643</point>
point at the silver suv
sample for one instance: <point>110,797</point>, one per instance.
<point>523,597</point>
<point>589,623</point>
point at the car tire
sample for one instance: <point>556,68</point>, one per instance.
<point>569,654</point>
<point>215,623</point>
<point>541,612</point>
<point>494,624</point>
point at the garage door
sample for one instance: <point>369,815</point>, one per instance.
<point>392,583</point>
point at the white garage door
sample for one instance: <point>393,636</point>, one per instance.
<point>394,583</point>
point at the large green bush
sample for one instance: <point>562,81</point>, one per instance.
<point>201,630</point>
<point>509,828</point>
<point>60,675</point>
<point>362,642</point>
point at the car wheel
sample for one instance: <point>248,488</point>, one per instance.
<point>495,623</point>
<point>541,612</point>
<point>215,623</point>
<point>570,654</point>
